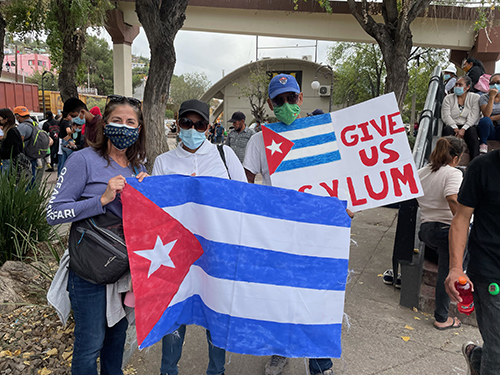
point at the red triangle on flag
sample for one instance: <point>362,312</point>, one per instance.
<point>143,223</point>
<point>277,147</point>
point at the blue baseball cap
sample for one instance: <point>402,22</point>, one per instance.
<point>283,83</point>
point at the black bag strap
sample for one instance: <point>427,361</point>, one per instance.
<point>223,157</point>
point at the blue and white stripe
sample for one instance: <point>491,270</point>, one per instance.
<point>314,140</point>
<point>273,273</point>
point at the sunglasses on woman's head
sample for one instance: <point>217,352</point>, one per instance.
<point>186,123</point>
<point>290,99</point>
<point>120,99</point>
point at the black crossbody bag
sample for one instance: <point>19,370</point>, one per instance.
<point>97,249</point>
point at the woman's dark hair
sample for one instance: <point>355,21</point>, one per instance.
<point>136,154</point>
<point>494,75</point>
<point>468,81</point>
<point>6,113</point>
<point>447,148</point>
<point>475,62</point>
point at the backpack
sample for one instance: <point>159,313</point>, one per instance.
<point>54,131</point>
<point>483,84</point>
<point>38,145</point>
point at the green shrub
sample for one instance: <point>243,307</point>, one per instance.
<point>22,210</point>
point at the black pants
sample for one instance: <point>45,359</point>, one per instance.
<point>471,139</point>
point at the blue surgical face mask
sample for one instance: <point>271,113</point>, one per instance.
<point>458,91</point>
<point>192,138</point>
<point>78,121</point>
<point>121,135</point>
<point>495,86</point>
<point>78,130</point>
<point>75,135</point>
<point>446,77</point>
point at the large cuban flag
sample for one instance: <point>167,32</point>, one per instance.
<point>263,268</point>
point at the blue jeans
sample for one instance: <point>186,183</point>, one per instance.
<point>93,337</point>
<point>5,166</point>
<point>487,130</point>
<point>435,235</point>
<point>486,360</point>
<point>172,351</point>
<point>318,365</point>
<point>66,152</point>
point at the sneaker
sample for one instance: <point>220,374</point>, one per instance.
<point>275,365</point>
<point>483,148</point>
<point>467,349</point>
<point>388,278</point>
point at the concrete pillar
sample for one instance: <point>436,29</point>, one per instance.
<point>486,48</point>
<point>122,35</point>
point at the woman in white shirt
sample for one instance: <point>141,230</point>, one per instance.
<point>441,182</point>
<point>460,114</point>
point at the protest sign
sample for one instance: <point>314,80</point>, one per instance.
<point>359,154</point>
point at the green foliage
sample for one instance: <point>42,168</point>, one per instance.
<point>359,72</point>
<point>96,64</point>
<point>187,86</point>
<point>49,83</point>
<point>26,16</point>
<point>255,89</point>
<point>22,211</point>
<point>93,102</point>
<point>169,114</point>
<point>68,19</point>
<point>421,65</point>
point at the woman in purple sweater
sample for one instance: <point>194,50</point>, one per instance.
<point>90,184</point>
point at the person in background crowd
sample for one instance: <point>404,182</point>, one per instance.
<point>441,181</point>
<point>239,136</point>
<point>91,122</point>
<point>195,156</point>
<point>460,114</point>
<point>450,78</point>
<point>12,143</point>
<point>26,128</point>
<point>474,69</point>
<point>219,134</point>
<point>489,125</point>
<point>89,185</point>
<point>51,126</point>
<point>69,133</point>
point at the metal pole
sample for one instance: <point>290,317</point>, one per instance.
<point>256,47</point>
<point>331,89</point>
<point>16,60</point>
<point>43,95</point>
<point>316,52</point>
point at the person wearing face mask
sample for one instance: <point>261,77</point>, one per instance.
<point>450,78</point>
<point>460,114</point>
<point>70,129</point>
<point>90,185</point>
<point>474,69</point>
<point>489,125</point>
<point>195,156</point>
<point>284,100</point>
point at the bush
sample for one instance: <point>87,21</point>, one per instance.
<point>22,210</point>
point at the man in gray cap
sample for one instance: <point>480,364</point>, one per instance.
<point>239,136</point>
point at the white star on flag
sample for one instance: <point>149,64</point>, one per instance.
<point>158,256</point>
<point>274,147</point>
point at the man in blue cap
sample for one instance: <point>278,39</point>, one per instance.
<point>285,99</point>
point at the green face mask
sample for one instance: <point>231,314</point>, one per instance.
<point>287,113</point>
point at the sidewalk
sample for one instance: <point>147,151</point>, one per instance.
<point>372,340</point>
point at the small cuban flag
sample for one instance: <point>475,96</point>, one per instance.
<point>306,142</point>
<point>263,268</point>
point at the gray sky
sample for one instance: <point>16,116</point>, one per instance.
<point>213,52</point>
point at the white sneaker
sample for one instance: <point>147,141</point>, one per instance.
<point>326,372</point>
<point>275,365</point>
<point>483,148</point>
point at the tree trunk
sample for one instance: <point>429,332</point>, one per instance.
<point>161,21</point>
<point>72,54</point>
<point>393,36</point>
<point>3,25</point>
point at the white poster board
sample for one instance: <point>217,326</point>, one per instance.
<point>360,154</point>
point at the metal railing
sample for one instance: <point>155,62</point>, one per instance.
<point>406,240</point>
